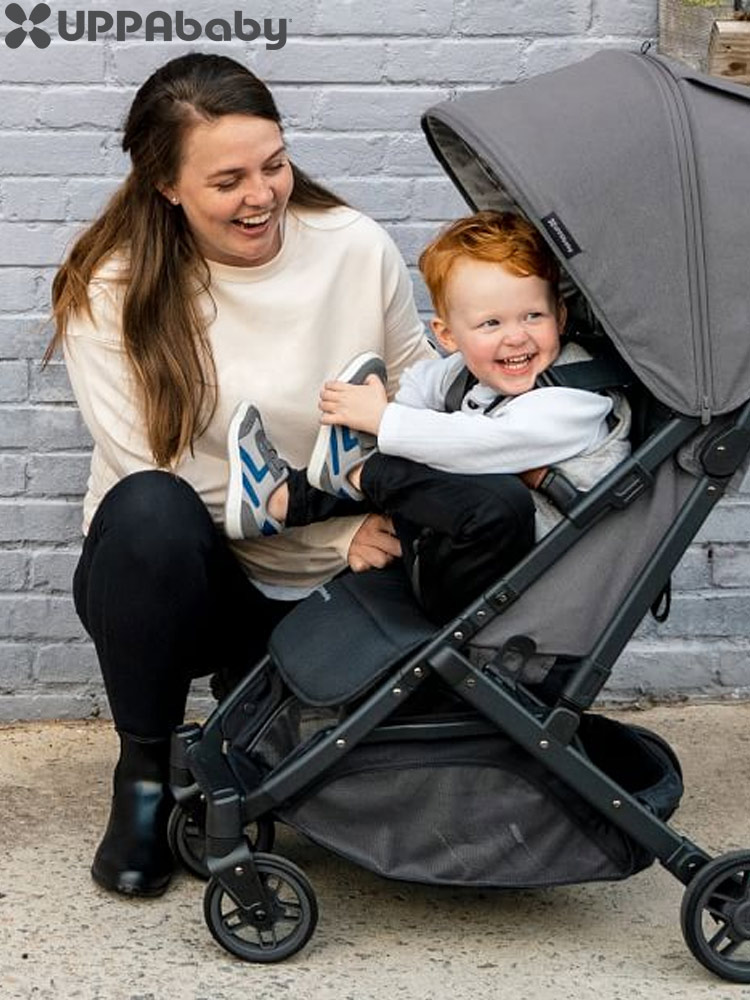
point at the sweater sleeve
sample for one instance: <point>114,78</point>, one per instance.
<point>104,386</point>
<point>535,429</point>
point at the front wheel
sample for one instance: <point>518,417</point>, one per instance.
<point>260,933</point>
<point>715,916</point>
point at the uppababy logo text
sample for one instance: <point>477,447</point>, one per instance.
<point>72,26</point>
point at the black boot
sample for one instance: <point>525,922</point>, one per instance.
<point>134,855</point>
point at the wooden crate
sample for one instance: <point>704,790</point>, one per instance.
<point>729,50</point>
<point>685,28</point>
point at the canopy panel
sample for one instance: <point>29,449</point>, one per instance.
<point>633,168</point>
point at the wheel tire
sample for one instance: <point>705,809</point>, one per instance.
<point>715,916</point>
<point>186,833</point>
<point>294,914</point>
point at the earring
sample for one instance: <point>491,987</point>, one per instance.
<point>175,201</point>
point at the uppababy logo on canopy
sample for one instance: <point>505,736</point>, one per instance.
<point>157,26</point>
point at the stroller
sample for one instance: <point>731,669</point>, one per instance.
<point>464,754</point>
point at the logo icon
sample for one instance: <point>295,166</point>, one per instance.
<point>15,13</point>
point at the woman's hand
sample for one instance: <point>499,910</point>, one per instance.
<point>357,406</point>
<point>374,545</point>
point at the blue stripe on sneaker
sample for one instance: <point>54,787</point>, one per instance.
<point>247,486</point>
<point>335,466</point>
<point>258,474</point>
<point>349,441</point>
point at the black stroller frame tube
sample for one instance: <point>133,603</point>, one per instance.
<point>492,697</point>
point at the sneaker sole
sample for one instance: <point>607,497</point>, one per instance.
<point>233,502</point>
<point>321,447</point>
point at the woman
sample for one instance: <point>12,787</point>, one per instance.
<point>217,272</point>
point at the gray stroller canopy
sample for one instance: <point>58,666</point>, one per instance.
<point>637,170</point>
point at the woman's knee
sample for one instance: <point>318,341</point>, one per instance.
<point>152,516</point>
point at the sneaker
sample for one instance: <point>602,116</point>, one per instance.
<point>255,471</point>
<point>339,450</point>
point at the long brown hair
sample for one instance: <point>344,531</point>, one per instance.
<point>163,330</point>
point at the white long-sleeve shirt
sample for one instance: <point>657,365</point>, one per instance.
<point>568,428</point>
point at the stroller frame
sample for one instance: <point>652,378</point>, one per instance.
<point>240,873</point>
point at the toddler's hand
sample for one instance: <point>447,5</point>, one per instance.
<point>357,406</point>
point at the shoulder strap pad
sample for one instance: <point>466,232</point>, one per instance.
<point>463,383</point>
<point>594,376</point>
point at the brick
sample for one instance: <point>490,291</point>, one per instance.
<point>471,61</point>
<point>694,615</point>
<point>12,475</point>
<point>39,617</point>
<point>33,707</point>
<point>532,17</point>
<point>19,106</point>
<point>23,336</point>
<point>14,381</point>
<point>636,17</point>
<point>73,107</point>
<point>297,105</point>
<point>56,153</point>
<point>50,384</point>
<point>326,156</point>
<point>53,570</point>
<point>18,287</point>
<point>408,155</point>
<point>388,109</point>
<point>40,521</point>
<point>27,199</point>
<point>15,666</point>
<point>729,522</point>
<point>14,427</point>
<point>317,61</point>
<point>731,565</point>
<point>661,669</point>
<point>411,238</point>
<point>693,572</point>
<point>42,428</point>
<point>86,196</point>
<point>57,429</point>
<point>546,55</point>
<point>66,663</point>
<point>386,17</point>
<point>61,474</point>
<point>69,62</point>
<point>438,198</point>
<point>34,243</point>
<point>381,199</point>
<point>14,569</point>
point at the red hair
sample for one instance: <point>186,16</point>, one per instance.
<point>498,237</point>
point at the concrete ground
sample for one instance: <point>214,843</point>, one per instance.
<point>62,938</point>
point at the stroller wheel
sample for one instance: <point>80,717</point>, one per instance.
<point>715,916</point>
<point>258,936</point>
<point>187,837</point>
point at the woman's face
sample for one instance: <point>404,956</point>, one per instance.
<point>234,183</point>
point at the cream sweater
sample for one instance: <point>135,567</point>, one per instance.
<point>337,287</point>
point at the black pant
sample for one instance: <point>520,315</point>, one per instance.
<point>458,533</point>
<point>164,599</point>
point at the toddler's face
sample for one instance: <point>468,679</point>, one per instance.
<point>506,327</point>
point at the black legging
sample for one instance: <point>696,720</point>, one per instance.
<point>164,599</point>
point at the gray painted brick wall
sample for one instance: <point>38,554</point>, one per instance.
<point>351,81</point>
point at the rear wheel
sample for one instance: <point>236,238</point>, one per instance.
<point>187,837</point>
